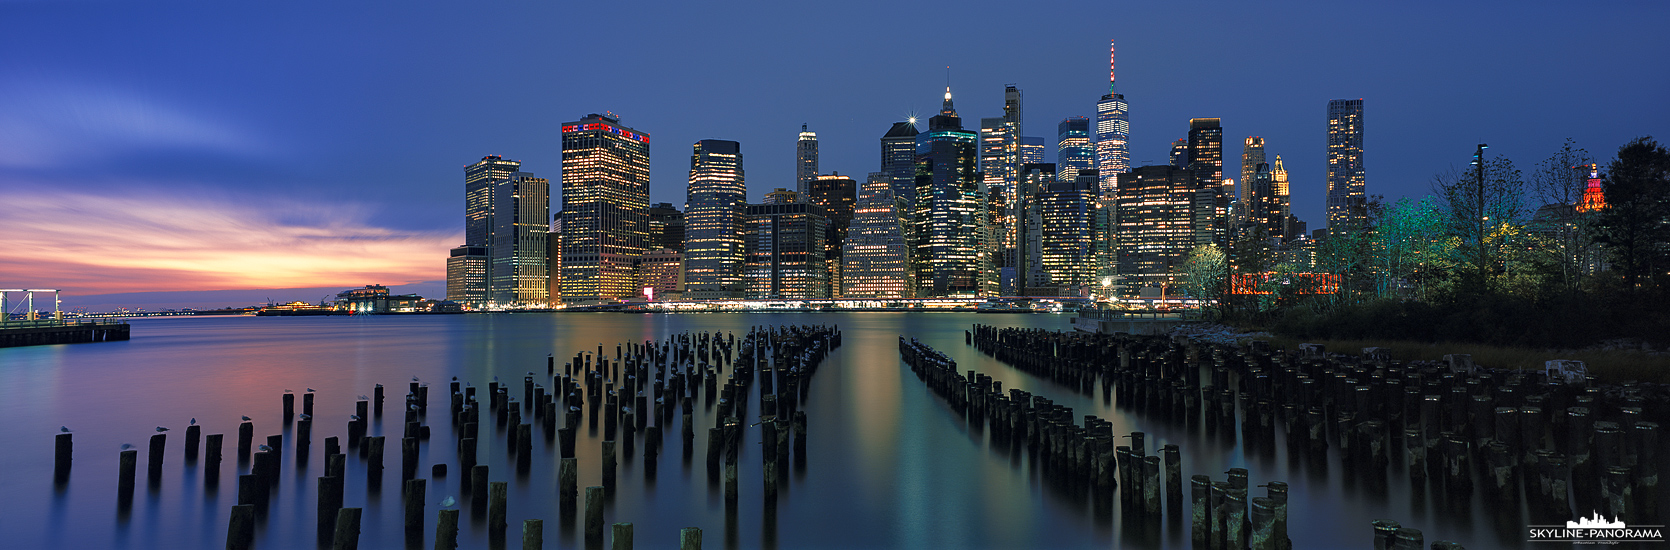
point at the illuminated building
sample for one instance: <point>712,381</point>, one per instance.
<point>1113,132</point>
<point>553,261</point>
<point>521,204</point>
<point>666,226</point>
<point>948,228</point>
<point>1206,160</point>
<point>785,246</point>
<point>662,271</point>
<point>1594,195</point>
<point>1072,150</point>
<point>875,259</point>
<point>1252,155</point>
<point>1347,200</point>
<point>1031,152</point>
<point>605,196</point>
<point>898,159</point>
<point>466,275</point>
<point>478,196</point>
<point>715,203</point>
<point>1029,277</point>
<point>805,159</point>
<point>835,194</point>
<point>1180,153</point>
<point>1068,212</point>
<point>1155,213</point>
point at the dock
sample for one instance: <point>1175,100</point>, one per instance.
<point>46,332</point>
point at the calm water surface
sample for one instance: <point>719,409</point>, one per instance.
<point>890,466</point>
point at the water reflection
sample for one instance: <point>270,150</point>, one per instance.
<point>887,463</point>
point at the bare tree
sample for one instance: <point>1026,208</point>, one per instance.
<point>1558,184</point>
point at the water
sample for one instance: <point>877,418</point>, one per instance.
<point>889,465</point>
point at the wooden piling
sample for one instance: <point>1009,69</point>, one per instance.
<point>374,465</point>
<point>240,529</point>
<point>609,465</point>
<point>408,458</point>
<point>211,459</point>
<point>416,492</point>
<point>307,403</point>
<point>336,465</point>
<point>289,406</point>
<point>194,435</point>
<point>496,507</point>
<point>1409,538</point>
<point>1201,521</point>
<point>246,436</point>
<point>690,538</point>
<point>466,463</point>
<point>533,534</point>
<point>63,448</point>
<point>1263,524</point>
<point>330,500</point>
<point>153,464</point>
<point>1385,533</point>
<point>347,529</point>
<point>622,536</point>
<point>478,486</point>
<point>594,516</point>
<point>249,491</point>
<point>446,530</point>
<point>567,483</point>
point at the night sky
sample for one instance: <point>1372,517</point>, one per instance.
<point>167,148</point>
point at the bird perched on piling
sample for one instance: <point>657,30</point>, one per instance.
<point>65,429</point>
<point>306,416</point>
<point>354,417</point>
<point>161,429</point>
<point>448,501</point>
<point>414,407</point>
<point>126,446</point>
<point>265,448</point>
<point>246,419</point>
<point>194,421</point>
<point>364,398</point>
<point>287,390</point>
<point>414,379</point>
<point>310,390</point>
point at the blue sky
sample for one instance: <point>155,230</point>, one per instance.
<point>188,146</point>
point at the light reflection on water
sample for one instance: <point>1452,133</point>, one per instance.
<point>889,465</point>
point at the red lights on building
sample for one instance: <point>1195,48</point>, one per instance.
<point>1594,197</point>
<point>628,134</point>
<point>1301,283</point>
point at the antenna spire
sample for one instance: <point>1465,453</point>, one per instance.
<point>1113,86</point>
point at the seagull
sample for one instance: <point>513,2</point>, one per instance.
<point>414,379</point>
<point>265,448</point>
<point>246,419</point>
<point>354,417</point>
<point>161,429</point>
<point>364,398</point>
<point>455,379</point>
<point>414,407</point>
<point>448,501</point>
<point>306,416</point>
<point>194,421</point>
<point>65,429</point>
<point>495,378</point>
<point>126,446</point>
<point>287,390</point>
<point>310,390</point>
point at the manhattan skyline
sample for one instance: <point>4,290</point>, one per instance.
<point>207,148</point>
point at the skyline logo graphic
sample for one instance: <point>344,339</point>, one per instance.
<point>1596,529</point>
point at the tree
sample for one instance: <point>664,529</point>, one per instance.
<point>1558,184</point>
<point>1476,203</point>
<point>1206,272</point>
<point>1409,246</point>
<point>1635,225</point>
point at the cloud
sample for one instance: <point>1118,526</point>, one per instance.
<point>57,124</point>
<point>95,244</point>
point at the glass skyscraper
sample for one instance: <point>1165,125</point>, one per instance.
<point>949,252</point>
<point>805,159</point>
<point>1206,160</point>
<point>1072,150</point>
<point>1155,213</point>
<point>1347,201</point>
<point>521,206</point>
<point>898,159</point>
<point>875,258</point>
<point>605,197</point>
<point>715,204</point>
<point>1113,132</point>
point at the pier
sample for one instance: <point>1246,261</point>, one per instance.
<point>47,332</point>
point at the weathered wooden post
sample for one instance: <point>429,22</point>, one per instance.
<point>194,434</point>
<point>446,530</point>
<point>1409,538</point>
<point>289,406</point>
<point>533,534</point>
<point>374,467</point>
<point>211,460</point>
<point>622,536</point>
<point>240,529</point>
<point>567,485</point>
<point>1174,474</point>
<point>479,487</point>
<point>1200,487</point>
<point>609,465</point>
<point>690,538</point>
<point>304,437</point>
<point>63,448</point>
<point>466,464</point>
<point>594,516</point>
<point>416,491</point>
<point>153,465</point>
<point>246,436</point>
<point>496,509</point>
<point>330,500</point>
<point>408,458</point>
<point>1385,533</point>
<point>307,403</point>
<point>347,529</point>
<point>1263,522</point>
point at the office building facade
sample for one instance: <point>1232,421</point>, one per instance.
<point>521,206</point>
<point>605,198</point>
<point>1347,198</point>
<point>1113,132</point>
<point>898,159</point>
<point>785,245</point>
<point>1155,217</point>
<point>805,159</point>
<point>715,203</point>
<point>1073,151</point>
<point>948,227</point>
<point>875,259</point>
<point>466,275</point>
<point>666,226</point>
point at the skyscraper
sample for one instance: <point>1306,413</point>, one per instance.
<point>805,159</point>
<point>1180,153</point>
<point>466,275</point>
<point>949,229</point>
<point>1113,132</point>
<point>1156,225</point>
<point>478,196</point>
<point>1029,277</point>
<point>785,244</point>
<point>1073,151</point>
<point>1000,154</point>
<point>875,258</point>
<point>1031,152</point>
<point>898,159</point>
<point>666,227</point>
<point>605,193</point>
<point>1068,211</point>
<point>1347,201</point>
<point>715,204</point>
<point>521,204</point>
<point>1206,160</point>
<point>1252,155</point>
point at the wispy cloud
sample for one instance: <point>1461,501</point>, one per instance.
<point>94,244</point>
<point>57,123</point>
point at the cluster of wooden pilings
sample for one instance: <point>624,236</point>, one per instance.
<point>634,394</point>
<point>1086,457</point>
<point>1514,437</point>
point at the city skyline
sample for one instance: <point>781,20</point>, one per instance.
<point>261,132</point>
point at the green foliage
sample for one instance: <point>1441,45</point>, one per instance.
<point>1635,226</point>
<point>1207,272</point>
